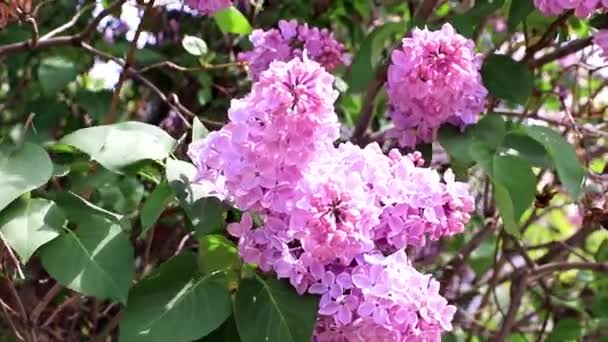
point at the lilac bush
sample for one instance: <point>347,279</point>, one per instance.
<point>303,171</point>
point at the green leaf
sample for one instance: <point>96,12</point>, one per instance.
<point>54,73</point>
<point>155,205</point>
<point>217,253</point>
<point>602,252</point>
<point>490,131</point>
<point>194,45</point>
<point>227,332</point>
<point>478,142</point>
<point>205,213</point>
<point>565,330</point>
<point>96,259</point>
<point>457,144</point>
<point>230,20</point>
<point>505,207</point>
<point>77,208</point>
<point>22,170</point>
<point>527,148</point>
<point>507,79</point>
<point>97,104</point>
<point>369,54</point>
<point>122,196</point>
<point>174,304</point>
<point>271,310</point>
<point>515,189</point>
<point>599,307</point>
<point>569,168</point>
<point>30,223</point>
<point>518,12</point>
<point>199,131</point>
<point>119,145</point>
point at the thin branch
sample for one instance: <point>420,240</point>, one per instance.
<point>12,255</point>
<point>70,40</point>
<point>48,297</point>
<point>543,270</point>
<point>171,65</point>
<point>518,289</point>
<point>20,306</point>
<point>570,48</point>
<point>137,76</point>
<point>12,324</point>
<point>547,36</point>
<point>108,328</point>
<point>69,24</point>
<point>454,266</point>
<point>67,302</point>
<point>426,9</point>
<point>35,32</point>
<point>130,62</point>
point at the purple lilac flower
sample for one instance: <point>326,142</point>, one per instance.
<point>600,39</point>
<point>289,41</point>
<point>329,215</point>
<point>433,79</point>
<point>582,8</point>
<point>208,7</point>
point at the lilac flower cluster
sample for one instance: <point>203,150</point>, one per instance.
<point>208,7</point>
<point>433,79</point>
<point>287,42</point>
<point>335,220</point>
<point>582,8</point>
<point>600,38</point>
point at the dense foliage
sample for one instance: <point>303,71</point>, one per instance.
<point>311,170</point>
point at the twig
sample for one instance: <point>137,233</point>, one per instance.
<point>454,266</point>
<point>50,295</point>
<point>12,255</point>
<point>20,306</point>
<point>564,51</point>
<point>171,65</point>
<point>67,302</point>
<point>130,62</point>
<point>108,328</point>
<point>69,24</point>
<point>518,289</point>
<point>12,324</point>
<point>73,40</point>
<point>543,270</point>
<point>183,242</point>
<point>138,77</point>
<point>425,9</point>
<point>35,32</point>
<point>547,36</point>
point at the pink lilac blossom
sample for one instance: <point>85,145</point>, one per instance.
<point>582,8</point>
<point>433,79</point>
<point>287,42</point>
<point>208,7</point>
<point>381,299</point>
<point>329,215</point>
<point>273,134</point>
<point>600,39</point>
